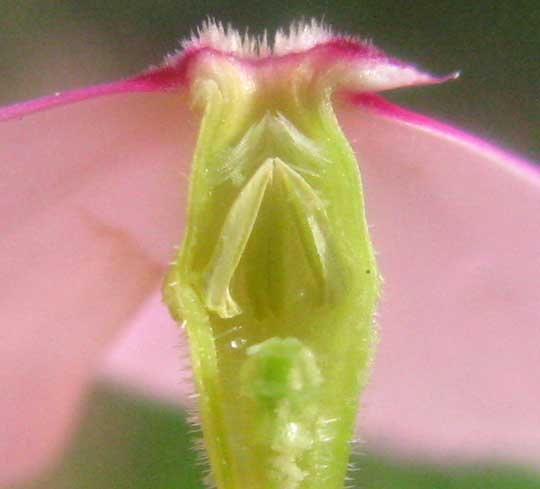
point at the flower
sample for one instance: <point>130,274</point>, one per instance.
<point>93,184</point>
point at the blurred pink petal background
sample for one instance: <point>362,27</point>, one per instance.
<point>92,200</point>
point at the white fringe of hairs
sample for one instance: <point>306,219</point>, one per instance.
<point>192,411</point>
<point>354,468</point>
<point>300,36</point>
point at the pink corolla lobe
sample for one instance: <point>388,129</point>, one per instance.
<point>174,73</point>
<point>92,195</point>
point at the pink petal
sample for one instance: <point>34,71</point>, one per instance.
<point>91,185</point>
<point>455,224</point>
<point>91,204</point>
<point>152,356</point>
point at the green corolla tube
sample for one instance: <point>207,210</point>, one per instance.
<point>276,280</point>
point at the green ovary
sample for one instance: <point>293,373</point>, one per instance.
<point>276,282</point>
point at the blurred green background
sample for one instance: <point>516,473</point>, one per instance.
<point>48,45</point>
<point>127,443</point>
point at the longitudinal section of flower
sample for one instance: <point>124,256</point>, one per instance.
<point>275,280</point>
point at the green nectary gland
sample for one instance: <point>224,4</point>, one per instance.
<point>271,284</point>
<point>281,376</point>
